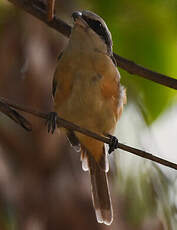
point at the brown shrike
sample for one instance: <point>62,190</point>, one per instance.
<point>87,92</point>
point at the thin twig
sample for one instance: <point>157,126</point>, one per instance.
<point>51,9</point>
<point>12,114</point>
<point>68,125</point>
<point>37,9</point>
<point>141,71</point>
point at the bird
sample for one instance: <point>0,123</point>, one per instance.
<point>87,92</point>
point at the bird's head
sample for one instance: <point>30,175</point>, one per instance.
<point>94,28</point>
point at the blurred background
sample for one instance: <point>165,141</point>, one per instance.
<point>42,185</point>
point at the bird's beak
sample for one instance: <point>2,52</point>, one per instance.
<point>76,15</point>
<point>78,20</point>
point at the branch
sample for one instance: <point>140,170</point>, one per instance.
<point>141,71</point>
<point>40,11</point>
<point>68,125</point>
<point>51,9</point>
<point>12,114</point>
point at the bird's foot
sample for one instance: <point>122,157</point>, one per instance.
<point>51,122</point>
<point>114,143</point>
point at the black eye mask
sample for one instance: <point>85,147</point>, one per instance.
<point>100,30</point>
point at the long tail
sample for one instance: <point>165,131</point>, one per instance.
<point>100,189</point>
<point>99,182</point>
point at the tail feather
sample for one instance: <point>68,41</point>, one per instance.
<point>103,163</point>
<point>100,192</point>
<point>84,161</point>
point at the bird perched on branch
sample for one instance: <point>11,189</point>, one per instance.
<point>87,92</point>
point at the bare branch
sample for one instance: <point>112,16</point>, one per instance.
<point>39,10</point>
<point>12,114</point>
<point>141,71</point>
<point>68,125</point>
<point>51,9</point>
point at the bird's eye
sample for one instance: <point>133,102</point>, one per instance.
<point>95,25</point>
<point>99,29</point>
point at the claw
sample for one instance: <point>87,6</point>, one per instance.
<point>51,122</point>
<point>114,143</point>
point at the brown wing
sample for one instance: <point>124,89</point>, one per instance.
<point>112,90</point>
<point>54,85</point>
<point>63,81</point>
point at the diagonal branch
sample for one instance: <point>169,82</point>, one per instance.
<point>12,114</point>
<point>51,9</point>
<point>68,125</point>
<point>141,71</point>
<point>39,10</point>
